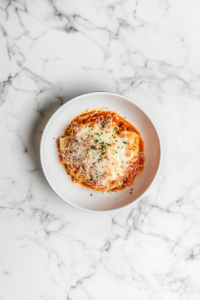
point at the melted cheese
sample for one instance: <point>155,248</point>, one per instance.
<point>100,154</point>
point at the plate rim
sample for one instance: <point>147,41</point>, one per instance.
<point>157,171</point>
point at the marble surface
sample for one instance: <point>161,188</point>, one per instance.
<point>51,51</point>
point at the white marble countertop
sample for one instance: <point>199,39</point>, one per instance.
<point>51,51</point>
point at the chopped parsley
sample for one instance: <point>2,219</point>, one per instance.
<point>96,141</point>
<point>76,140</point>
<point>103,125</point>
<point>125,142</point>
<point>93,147</point>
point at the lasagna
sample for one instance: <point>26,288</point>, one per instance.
<point>101,150</point>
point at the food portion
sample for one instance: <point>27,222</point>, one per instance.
<point>101,150</point>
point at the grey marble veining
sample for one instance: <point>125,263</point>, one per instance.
<point>51,51</point>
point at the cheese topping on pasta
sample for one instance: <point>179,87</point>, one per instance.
<point>99,151</point>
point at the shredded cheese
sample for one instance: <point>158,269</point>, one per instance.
<point>98,154</point>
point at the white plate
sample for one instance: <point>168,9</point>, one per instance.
<point>73,193</point>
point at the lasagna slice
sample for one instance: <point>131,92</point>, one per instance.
<point>101,150</point>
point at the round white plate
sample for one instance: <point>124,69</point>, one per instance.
<point>75,194</point>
